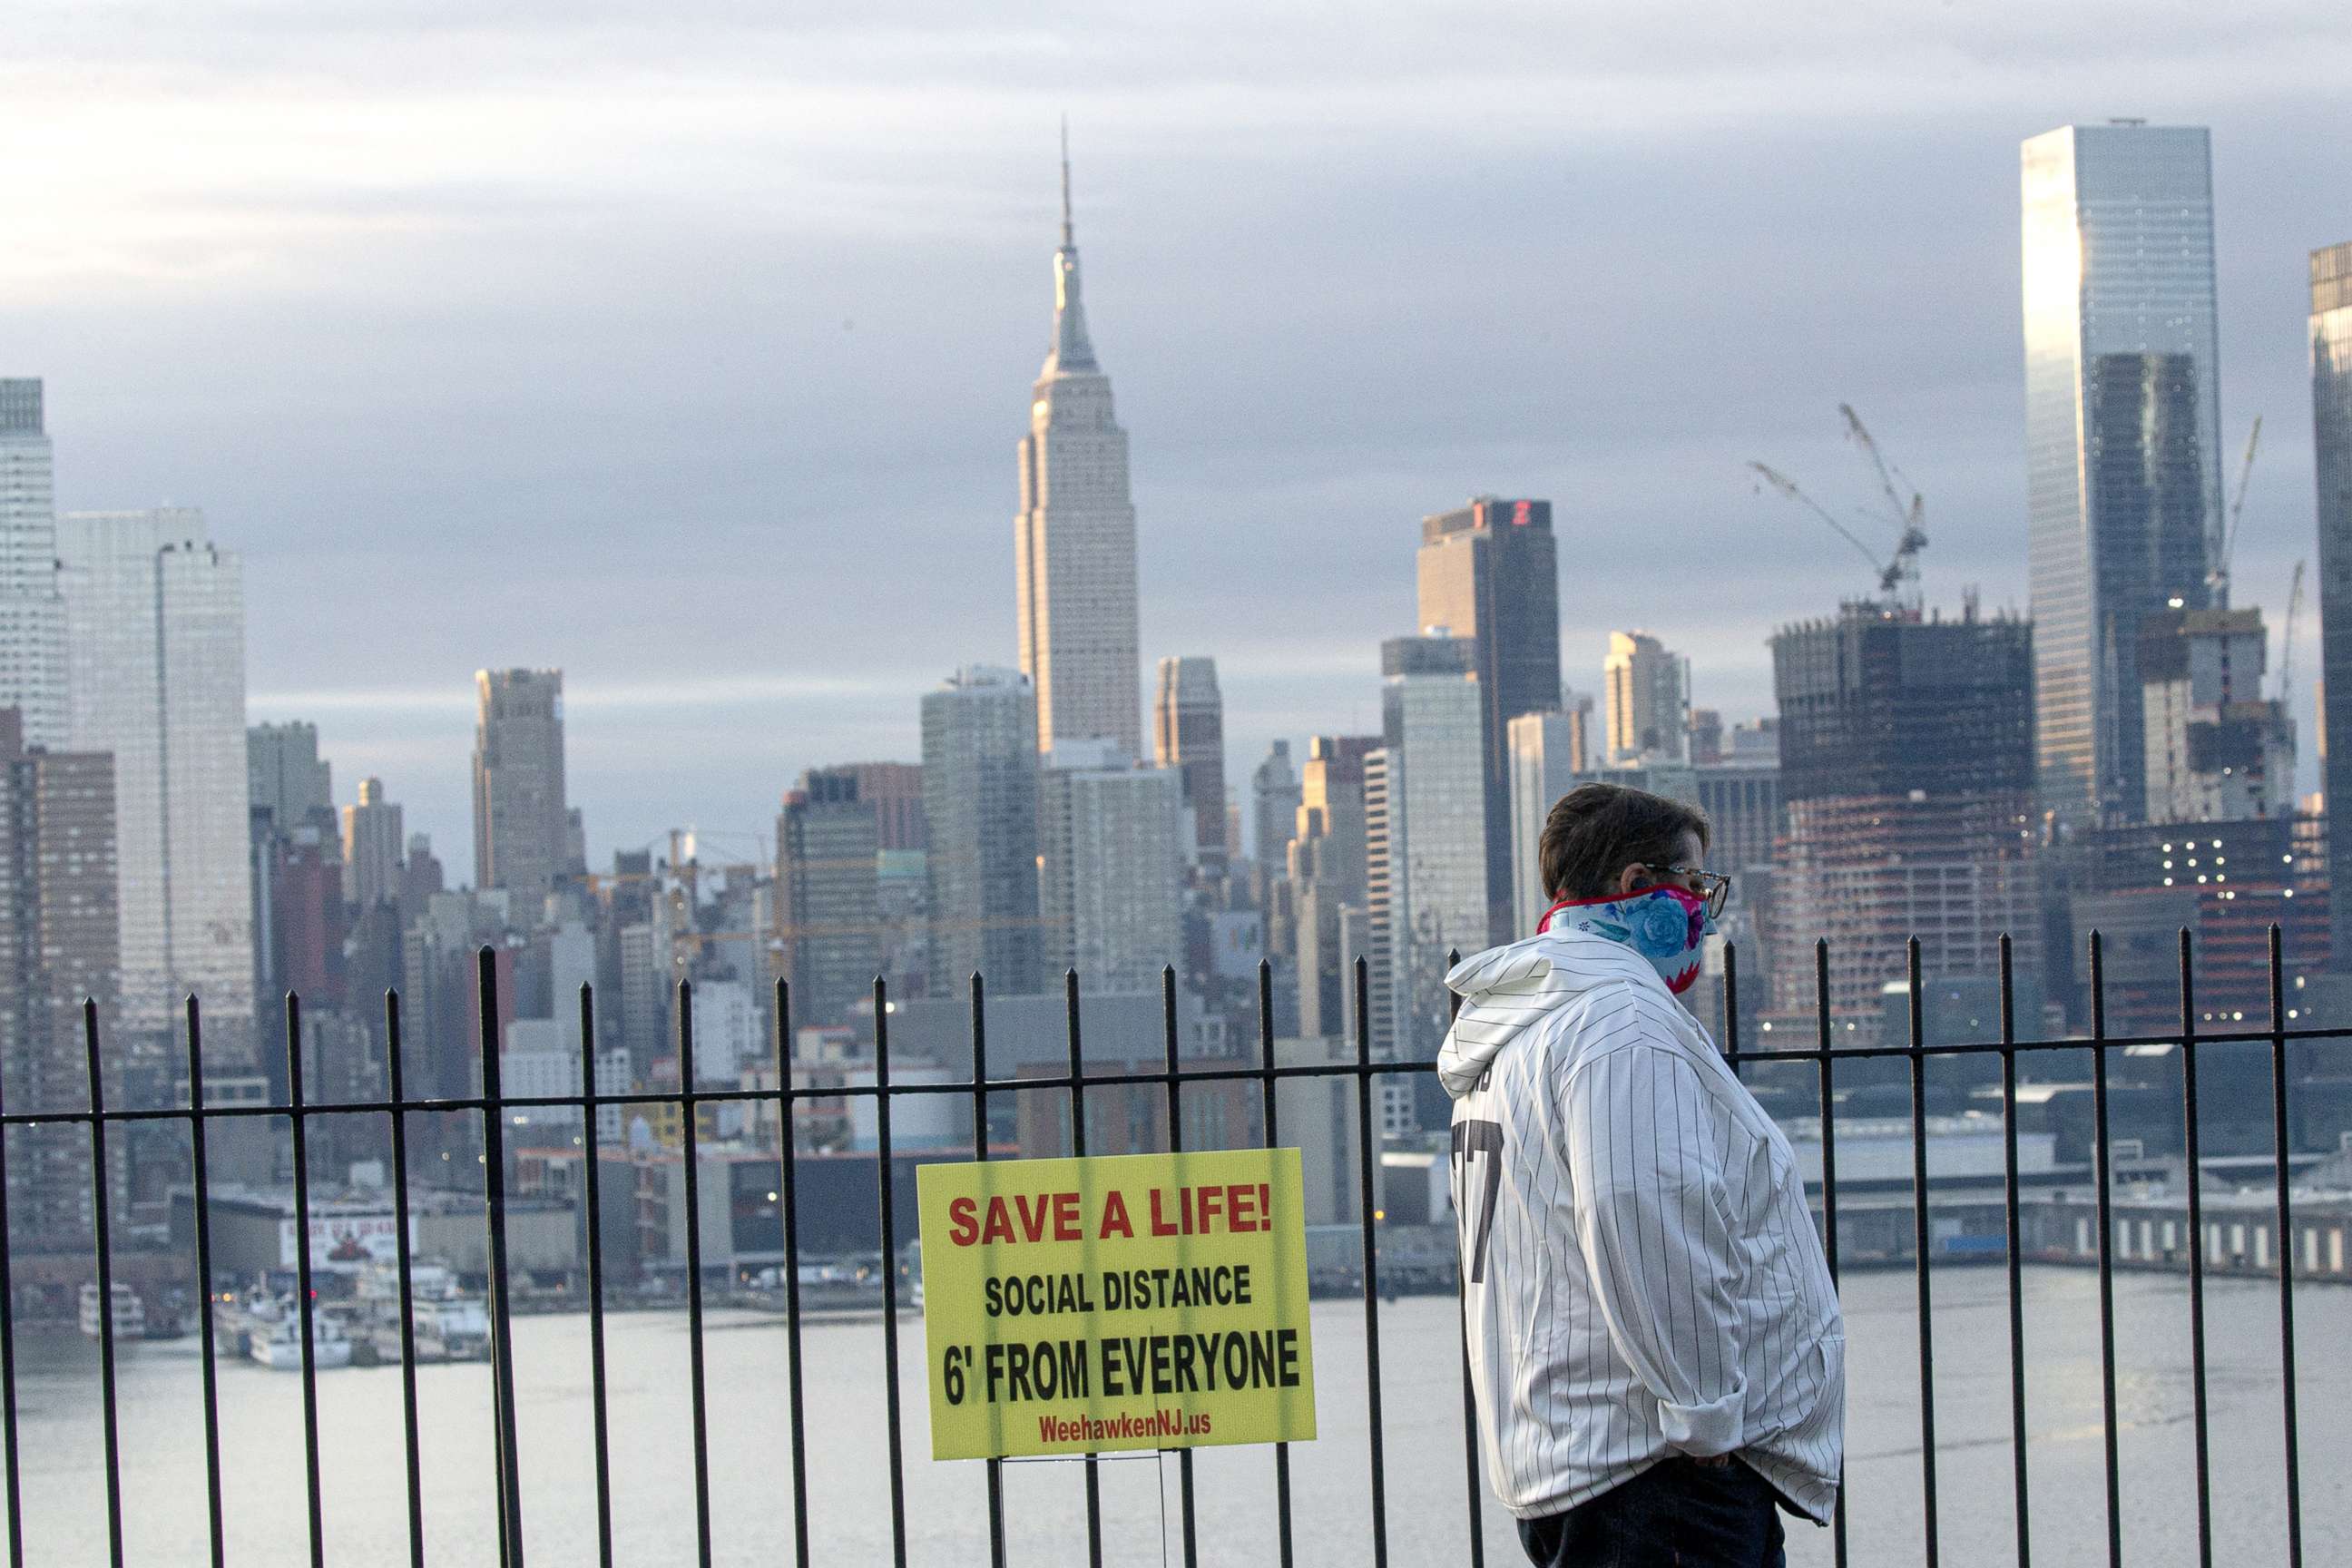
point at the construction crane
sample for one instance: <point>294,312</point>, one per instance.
<point>1908,517</point>
<point>1912,519</point>
<point>2217,579</point>
<point>2286,638</point>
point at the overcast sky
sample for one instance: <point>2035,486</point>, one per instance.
<point>689,355</point>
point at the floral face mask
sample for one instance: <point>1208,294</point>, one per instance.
<point>1668,926</point>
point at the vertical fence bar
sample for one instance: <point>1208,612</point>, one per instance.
<point>689,1135</point>
<point>1730,1004</point>
<point>2103,1199</point>
<point>1191,1530</point>
<point>889,1269</point>
<point>102,1207</point>
<point>980,1153</point>
<point>1267,1084</point>
<point>396,1081</point>
<point>2196,1256</point>
<point>305,1310</point>
<point>493,1224</point>
<point>1461,1314</point>
<point>2009,1220</point>
<point>1078,1148</point>
<point>591,1165</point>
<point>10,1481</point>
<point>787,1165</point>
<point>1367,1147</point>
<point>2279,1145</point>
<point>200,1168</point>
<point>1922,1240</point>
<point>1829,1184</point>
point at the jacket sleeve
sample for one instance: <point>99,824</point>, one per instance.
<point>1650,1207</point>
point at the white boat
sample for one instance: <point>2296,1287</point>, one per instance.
<point>276,1341</point>
<point>130,1314</point>
<point>453,1327</point>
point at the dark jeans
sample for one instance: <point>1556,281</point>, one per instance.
<point>1676,1514</point>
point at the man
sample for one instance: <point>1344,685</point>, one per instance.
<point>1659,1358</point>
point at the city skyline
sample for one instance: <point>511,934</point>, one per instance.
<point>1586,396</point>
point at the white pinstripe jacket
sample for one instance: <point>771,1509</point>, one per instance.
<point>1642,1273</point>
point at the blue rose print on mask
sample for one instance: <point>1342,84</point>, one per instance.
<point>1663,928</point>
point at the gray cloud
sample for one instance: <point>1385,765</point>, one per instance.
<point>691,356</point>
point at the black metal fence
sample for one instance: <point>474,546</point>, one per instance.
<point>493,1104</point>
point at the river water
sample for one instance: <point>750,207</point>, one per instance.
<point>365,1507</point>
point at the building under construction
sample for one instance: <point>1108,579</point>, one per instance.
<point>1906,767</point>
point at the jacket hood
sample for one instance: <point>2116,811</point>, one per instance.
<point>1508,990</point>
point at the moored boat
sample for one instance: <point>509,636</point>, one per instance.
<point>130,1314</point>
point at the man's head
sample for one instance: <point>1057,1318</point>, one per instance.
<point>1605,841</point>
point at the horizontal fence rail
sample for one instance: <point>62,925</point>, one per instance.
<point>492,1109</point>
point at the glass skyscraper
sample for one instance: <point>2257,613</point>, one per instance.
<point>2123,433</point>
<point>154,617</point>
<point>32,612</point>
<point>2331,421</point>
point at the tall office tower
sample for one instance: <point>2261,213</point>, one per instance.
<point>2122,434</point>
<point>522,838</point>
<point>32,610</point>
<point>1433,720</point>
<point>1705,736</point>
<point>1325,862</point>
<point>1188,734</point>
<point>980,797</point>
<point>1547,756</point>
<point>1745,817</point>
<point>58,944</point>
<point>894,791</point>
<point>2331,422</point>
<point>1907,769</point>
<point>1649,701</point>
<point>155,644</point>
<point>1375,1011</point>
<point>1074,542</point>
<point>373,848</point>
<point>1110,866</point>
<point>1275,796</point>
<point>829,895</point>
<point>1489,571</point>
<point>286,775</point>
<point>2218,749</point>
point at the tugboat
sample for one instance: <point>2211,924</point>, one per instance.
<point>130,1314</point>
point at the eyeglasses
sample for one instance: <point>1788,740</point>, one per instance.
<point>1714,888</point>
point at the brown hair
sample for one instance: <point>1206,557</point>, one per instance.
<point>1596,830</point>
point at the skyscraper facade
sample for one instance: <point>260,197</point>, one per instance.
<point>1434,834</point>
<point>1546,756</point>
<point>1648,701</point>
<point>980,798</point>
<point>1188,734</point>
<point>287,776</point>
<point>1327,861</point>
<point>1273,806</point>
<point>32,610</point>
<point>155,638</point>
<point>1111,867</point>
<point>2331,422</point>
<point>1074,542</point>
<point>1489,571</point>
<point>58,944</point>
<point>828,895</point>
<point>373,848</point>
<point>1906,775</point>
<point>2123,436</point>
<point>522,825</point>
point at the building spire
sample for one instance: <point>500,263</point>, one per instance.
<point>1072,350</point>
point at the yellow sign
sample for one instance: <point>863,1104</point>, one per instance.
<point>1128,1301</point>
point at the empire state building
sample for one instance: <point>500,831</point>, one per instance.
<point>1075,539</point>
